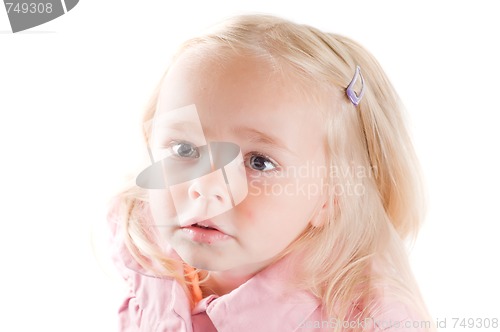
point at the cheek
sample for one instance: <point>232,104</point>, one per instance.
<point>162,207</point>
<point>274,201</point>
<point>249,214</point>
<point>291,200</point>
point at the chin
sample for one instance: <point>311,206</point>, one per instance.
<point>200,258</point>
<point>204,264</point>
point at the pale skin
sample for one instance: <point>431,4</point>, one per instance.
<point>243,102</point>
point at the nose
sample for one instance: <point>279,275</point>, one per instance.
<point>214,190</point>
<point>211,187</point>
<point>207,196</point>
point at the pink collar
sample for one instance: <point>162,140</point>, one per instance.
<point>263,303</point>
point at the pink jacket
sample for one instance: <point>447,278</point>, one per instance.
<point>263,303</point>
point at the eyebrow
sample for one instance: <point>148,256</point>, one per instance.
<point>177,128</point>
<point>181,126</point>
<point>255,136</point>
<point>248,133</point>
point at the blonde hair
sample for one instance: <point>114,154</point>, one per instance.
<point>359,255</point>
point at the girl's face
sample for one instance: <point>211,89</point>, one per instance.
<point>281,137</point>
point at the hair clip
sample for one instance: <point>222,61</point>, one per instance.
<point>353,96</point>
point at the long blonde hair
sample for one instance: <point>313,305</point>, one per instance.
<point>359,254</point>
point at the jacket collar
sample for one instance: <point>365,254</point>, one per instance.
<point>266,302</point>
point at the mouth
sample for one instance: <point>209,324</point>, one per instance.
<point>204,225</point>
<point>204,231</point>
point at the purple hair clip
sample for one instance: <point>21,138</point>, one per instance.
<point>355,98</point>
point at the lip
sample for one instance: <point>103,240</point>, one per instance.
<point>196,231</point>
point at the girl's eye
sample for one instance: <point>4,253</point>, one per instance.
<point>260,163</point>
<point>184,150</point>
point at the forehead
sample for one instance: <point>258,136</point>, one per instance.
<point>207,77</point>
<point>232,91</point>
<point>199,75</point>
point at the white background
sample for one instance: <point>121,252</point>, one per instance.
<point>72,93</point>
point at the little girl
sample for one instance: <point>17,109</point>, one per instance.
<point>282,189</point>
